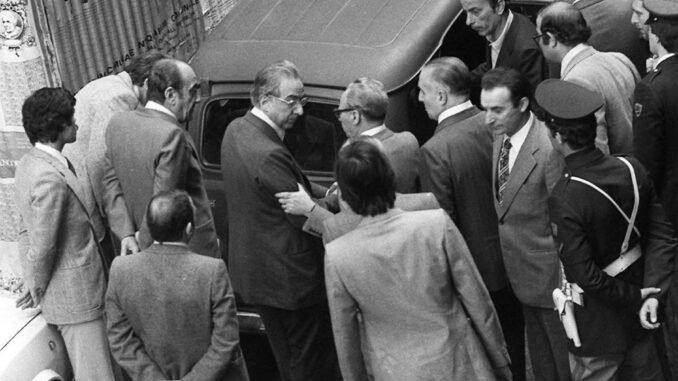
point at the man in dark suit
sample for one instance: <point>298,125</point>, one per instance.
<point>456,165</point>
<point>524,170</point>
<point>62,262</point>
<point>655,136</point>
<point>614,241</point>
<point>171,312</point>
<point>147,152</point>
<point>510,44</point>
<point>274,263</point>
<point>362,110</point>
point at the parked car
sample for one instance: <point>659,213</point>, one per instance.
<point>30,349</point>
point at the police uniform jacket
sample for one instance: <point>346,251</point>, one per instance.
<point>655,131</point>
<point>589,232</point>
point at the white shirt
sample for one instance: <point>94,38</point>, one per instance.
<point>52,152</point>
<point>569,56</point>
<point>517,141</point>
<point>158,107</point>
<point>373,131</point>
<point>660,59</point>
<point>262,115</point>
<point>454,110</point>
<point>495,46</point>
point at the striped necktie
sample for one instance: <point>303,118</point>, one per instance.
<point>503,168</point>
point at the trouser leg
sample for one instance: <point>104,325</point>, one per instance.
<point>510,313</point>
<point>87,347</point>
<point>595,368</point>
<point>547,343</point>
<point>641,362</point>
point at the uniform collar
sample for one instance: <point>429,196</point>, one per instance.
<point>583,157</point>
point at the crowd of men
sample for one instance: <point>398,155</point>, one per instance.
<point>540,214</point>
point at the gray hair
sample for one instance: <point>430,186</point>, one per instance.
<point>267,81</point>
<point>368,95</point>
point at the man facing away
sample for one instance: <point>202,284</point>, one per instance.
<point>362,110</point>
<point>275,265</point>
<point>170,312</point>
<point>524,170</point>
<point>147,152</point>
<point>398,316</point>
<point>562,35</point>
<point>456,166</point>
<point>614,241</point>
<point>63,266</point>
<point>509,37</point>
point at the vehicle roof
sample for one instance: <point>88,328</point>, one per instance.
<point>388,40</point>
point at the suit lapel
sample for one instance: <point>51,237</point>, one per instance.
<point>584,54</point>
<point>456,118</point>
<point>523,166</point>
<point>508,44</point>
<point>69,177</point>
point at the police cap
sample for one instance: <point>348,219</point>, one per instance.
<point>566,100</point>
<point>664,11</point>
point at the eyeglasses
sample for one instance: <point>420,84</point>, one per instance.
<point>337,111</point>
<point>292,102</point>
<point>536,38</point>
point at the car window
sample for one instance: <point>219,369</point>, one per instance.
<point>314,140</point>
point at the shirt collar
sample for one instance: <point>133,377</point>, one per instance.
<point>52,152</point>
<point>454,110</point>
<point>569,56</point>
<point>259,113</point>
<point>158,107</point>
<point>373,131</point>
<point>662,59</point>
<point>500,40</point>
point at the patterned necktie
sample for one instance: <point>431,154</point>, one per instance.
<point>503,168</point>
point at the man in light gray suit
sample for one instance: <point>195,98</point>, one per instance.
<point>362,110</point>
<point>63,268</point>
<point>562,36</point>
<point>171,312</point>
<point>524,170</point>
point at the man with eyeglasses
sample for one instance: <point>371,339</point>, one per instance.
<point>562,35</point>
<point>362,111</point>
<point>274,264</point>
<point>148,151</point>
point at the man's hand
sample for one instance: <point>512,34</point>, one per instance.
<point>298,203</point>
<point>26,300</point>
<point>648,313</point>
<point>129,245</point>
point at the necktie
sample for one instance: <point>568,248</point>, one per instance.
<point>503,168</point>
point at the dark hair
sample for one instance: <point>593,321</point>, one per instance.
<point>139,68</point>
<point>365,178</point>
<point>667,33</point>
<point>578,133</point>
<point>368,96</point>
<point>46,113</point>
<point>167,215</point>
<point>165,73</point>
<point>267,80</point>
<point>565,22</point>
<point>516,82</point>
<point>452,73</point>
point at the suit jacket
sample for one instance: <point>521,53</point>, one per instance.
<point>655,132</point>
<point>590,230</point>
<point>61,258</point>
<point>527,243</point>
<point>614,77</point>
<point>425,316</point>
<point>456,165</point>
<point>272,261</point>
<point>518,51</point>
<point>402,151</point>
<point>148,152</point>
<point>171,314</point>
<point>95,105</point>
<point>330,226</point>
<point>611,30</point>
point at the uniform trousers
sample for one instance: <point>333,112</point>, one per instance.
<point>547,343</point>
<point>88,351</point>
<point>639,363</point>
<point>302,342</point>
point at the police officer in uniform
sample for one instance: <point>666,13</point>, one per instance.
<point>655,119</point>
<point>613,291</point>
